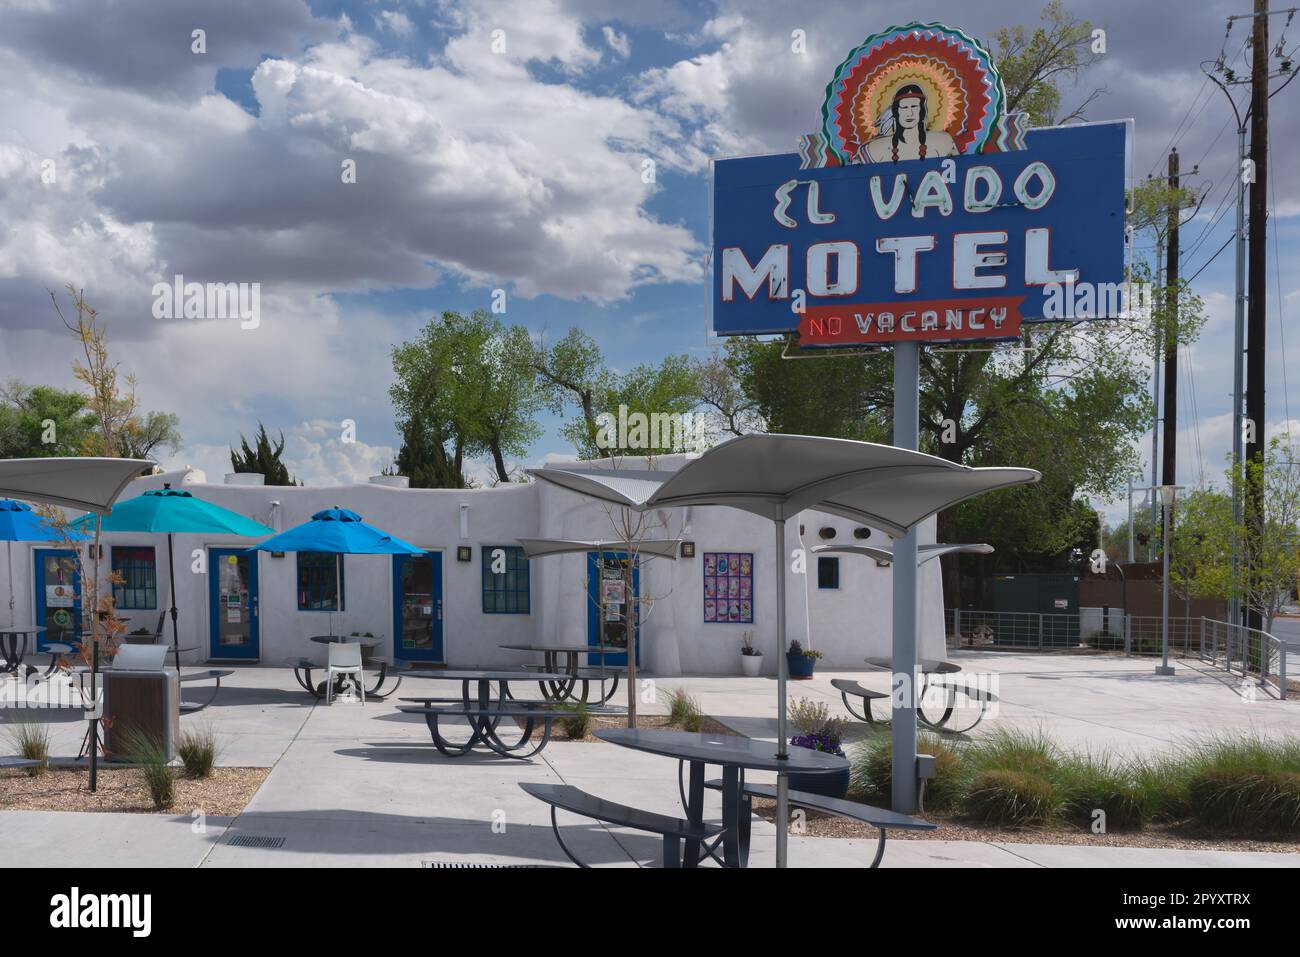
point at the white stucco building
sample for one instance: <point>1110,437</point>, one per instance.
<point>264,608</point>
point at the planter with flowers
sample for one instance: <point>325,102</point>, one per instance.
<point>751,659</point>
<point>818,731</point>
<point>800,662</point>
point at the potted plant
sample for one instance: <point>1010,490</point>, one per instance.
<point>751,659</point>
<point>818,731</point>
<point>800,662</point>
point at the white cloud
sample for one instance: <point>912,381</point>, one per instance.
<point>618,42</point>
<point>396,22</point>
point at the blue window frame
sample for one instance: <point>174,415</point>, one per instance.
<point>506,592</point>
<point>137,566</point>
<point>317,582</point>
<point>828,572</point>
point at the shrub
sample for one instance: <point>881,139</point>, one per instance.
<point>813,719</point>
<point>198,752</point>
<point>32,741</point>
<point>151,755</point>
<point>1010,798</point>
<point>1087,784</point>
<point>575,728</point>
<point>683,710</point>
<point>871,769</point>
<point>1247,785</point>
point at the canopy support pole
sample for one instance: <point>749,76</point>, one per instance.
<point>782,738</point>
<point>907,428</point>
<point>171,577</point>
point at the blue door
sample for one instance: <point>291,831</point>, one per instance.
<point>607,605</point>
<point>417,607</point>
<point>58,595</point>
<point>232,604</point>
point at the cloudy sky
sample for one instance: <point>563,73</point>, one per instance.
<point>498,144</point>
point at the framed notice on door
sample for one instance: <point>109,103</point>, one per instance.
<point>729,587</point>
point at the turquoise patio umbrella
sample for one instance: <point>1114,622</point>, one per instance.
<point>18,523</point>
<point>337,531</point>
<point>172,511</point>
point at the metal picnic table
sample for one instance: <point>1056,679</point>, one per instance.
<point>484,711</point>
<point>13,644</point>
<point>573,671</point>
<point>303,667</point>
<point>734,755</point>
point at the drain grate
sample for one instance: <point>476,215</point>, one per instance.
<point>470,865</point>
<point>255,840</point>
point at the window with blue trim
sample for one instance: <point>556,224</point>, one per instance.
<point>828,572</point>
<point>505,592</point>
<point>136,567</point>
<point>317,582</point>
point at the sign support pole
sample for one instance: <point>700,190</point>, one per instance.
<point>907,427</point>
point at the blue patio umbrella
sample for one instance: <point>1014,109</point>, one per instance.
<point>18,523</point>
<point>171,511</point>
<point>337,531</point>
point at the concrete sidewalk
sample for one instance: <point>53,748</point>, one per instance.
<point>363,786</point>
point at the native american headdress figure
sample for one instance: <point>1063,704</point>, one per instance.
<point>953,75</point>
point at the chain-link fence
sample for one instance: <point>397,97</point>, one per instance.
<point>1237,649</point>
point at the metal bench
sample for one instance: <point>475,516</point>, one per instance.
<point>847,686</point>
<point>673,830</point>
<point>879,818</point>
<point>483,722</point>
<point>56,650</point>
<point>984,698</point>
<point>212,674</point>
<point>303,667</point>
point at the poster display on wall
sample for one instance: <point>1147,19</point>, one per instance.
<point>729,587</point>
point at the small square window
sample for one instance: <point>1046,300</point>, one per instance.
<point>828,572</point>
<point>137,566</point>
<point>505,592</point>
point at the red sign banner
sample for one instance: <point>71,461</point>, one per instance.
<point>934,320</point>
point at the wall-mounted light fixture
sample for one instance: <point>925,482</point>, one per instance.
<point>464,553</point>
<point>688,550</point>
<point>464,522</point>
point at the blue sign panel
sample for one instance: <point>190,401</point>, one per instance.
<point>943,249</point>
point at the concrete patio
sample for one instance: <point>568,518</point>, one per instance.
<point>354,786</point>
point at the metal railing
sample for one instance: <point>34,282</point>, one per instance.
<point>1237,649</point>
<point>1245,651</point>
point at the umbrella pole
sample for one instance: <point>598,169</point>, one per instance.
<point>94,664</point>
<point>171,575</point>
<point>9,563</point>
<point>338,589</point>
<point>782,777</point>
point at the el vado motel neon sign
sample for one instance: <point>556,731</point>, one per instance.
<point>921,211</point>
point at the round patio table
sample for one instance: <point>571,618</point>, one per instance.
<point>483,723</point>
<point>563,690</point>
<point>734,755</point>
<point>341,681</point>
<point>13,644</point>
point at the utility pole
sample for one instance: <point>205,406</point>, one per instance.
<point>1170,458</point>
<point>1257,279</point>
<point>1155,401</point>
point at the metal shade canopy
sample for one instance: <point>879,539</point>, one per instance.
<point>924,552</point>
<point>542,547</point>
<point>86,482</point>
<point>777,476</point>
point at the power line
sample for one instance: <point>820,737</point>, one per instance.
<point>1214,257</point>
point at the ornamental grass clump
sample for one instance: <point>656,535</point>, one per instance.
<point>871,764</point>
<point>150,754</point>
<point>1098,792</point>
<point>1246,786</point>
<point>198,752</point>
<point>575,726</point>
<point>1010,798</point>
<point>684,711</point>
<point>32,741</point>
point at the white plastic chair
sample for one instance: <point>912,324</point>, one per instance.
<point>344,659</point>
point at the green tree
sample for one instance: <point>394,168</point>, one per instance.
<point>262,457</point>
<point>41,420</point>
<point>465,385</point>
<point>141,435</point>
<point>1034,61</point>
